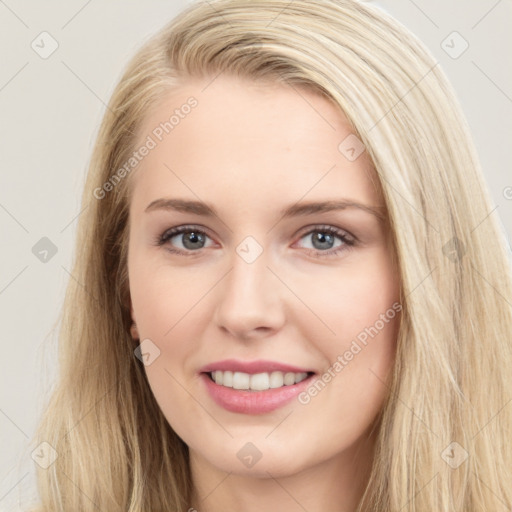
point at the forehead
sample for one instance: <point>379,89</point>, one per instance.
<point>229,136</point>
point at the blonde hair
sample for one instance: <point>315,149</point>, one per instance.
<point>452,376</point>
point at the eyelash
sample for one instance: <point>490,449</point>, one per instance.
<point>348,240</point>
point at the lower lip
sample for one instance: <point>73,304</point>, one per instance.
<point>253,402</point>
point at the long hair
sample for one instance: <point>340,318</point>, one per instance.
<point>444,435</point>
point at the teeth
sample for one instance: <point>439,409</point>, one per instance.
<point>257,381</point>
<point>227,379</point>
<point>241,380</point>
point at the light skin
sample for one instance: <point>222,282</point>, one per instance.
<point>251,150</point>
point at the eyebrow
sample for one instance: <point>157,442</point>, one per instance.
<point>308,208</point>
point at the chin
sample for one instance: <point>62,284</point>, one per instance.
<point>274,465</point>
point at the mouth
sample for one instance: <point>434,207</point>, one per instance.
<point>256,393</point>
<point>255,387</point>
<point>255,382</point>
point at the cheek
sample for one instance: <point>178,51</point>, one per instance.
<point>353,297</point>
<point>163,297</point>
<point>169,309</point>
<point>362,309</point>
<point>164,302</point>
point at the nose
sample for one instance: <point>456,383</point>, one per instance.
<point>250,301</point>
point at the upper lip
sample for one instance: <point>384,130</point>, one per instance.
<point>252,367</point>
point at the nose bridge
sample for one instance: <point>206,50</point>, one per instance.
<point>249,278</point>
<point>249,297</point>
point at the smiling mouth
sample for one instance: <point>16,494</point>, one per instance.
<point>258,381</point>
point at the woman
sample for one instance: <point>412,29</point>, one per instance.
<point>209,359</point>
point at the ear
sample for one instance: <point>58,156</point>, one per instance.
<point>133,328</point>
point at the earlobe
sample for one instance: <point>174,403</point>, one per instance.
<point>134,331</point>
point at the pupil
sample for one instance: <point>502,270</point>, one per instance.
<point>192,238</point>
<point>323,239</point>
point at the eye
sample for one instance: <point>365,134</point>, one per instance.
<point>323,240</point>
<point>192,239</point>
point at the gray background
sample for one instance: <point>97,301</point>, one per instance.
<point>51,108</point>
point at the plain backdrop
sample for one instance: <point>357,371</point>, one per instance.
<point>50,110</point>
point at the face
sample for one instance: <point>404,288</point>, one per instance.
<point>232,268</point>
